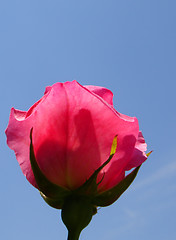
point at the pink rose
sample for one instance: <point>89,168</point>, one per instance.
<point>73,129</point>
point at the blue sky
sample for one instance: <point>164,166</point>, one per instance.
<point>126,46</point>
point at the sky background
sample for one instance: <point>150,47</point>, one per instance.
<point>127,46</point>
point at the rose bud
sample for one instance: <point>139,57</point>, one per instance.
<point>74,147</point>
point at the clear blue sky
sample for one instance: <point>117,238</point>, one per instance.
<point>126,46</point>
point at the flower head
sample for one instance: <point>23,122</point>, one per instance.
<point>74,147</point>
<point>73,129</point>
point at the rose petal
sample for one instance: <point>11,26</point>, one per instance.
<point>139,155</point>
<point>104,93</point>
<point>18,140</point>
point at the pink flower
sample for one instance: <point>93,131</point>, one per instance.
<point>73,129</point>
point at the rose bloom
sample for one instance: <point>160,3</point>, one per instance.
<point>73,129</point>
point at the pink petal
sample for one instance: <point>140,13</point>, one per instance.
<point>139,155</point>
<point>18,140</point>
<point>104,93</point>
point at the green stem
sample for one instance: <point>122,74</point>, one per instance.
<point>77,212</point>
<point>73,235</point>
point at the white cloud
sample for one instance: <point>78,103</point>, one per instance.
<point>164,172</point>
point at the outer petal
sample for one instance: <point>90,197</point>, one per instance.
<point>18,132</point>
<point>104,93</point>
<point>112,176</point>
<point>139,155</point>
<point>73,130</point>
<point>18,140</point>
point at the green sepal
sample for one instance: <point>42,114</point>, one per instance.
<point>55,203</point>
<point>110,196</point>
<point>49,190</point>
<point>148,154</point>
<point>90,186</point>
